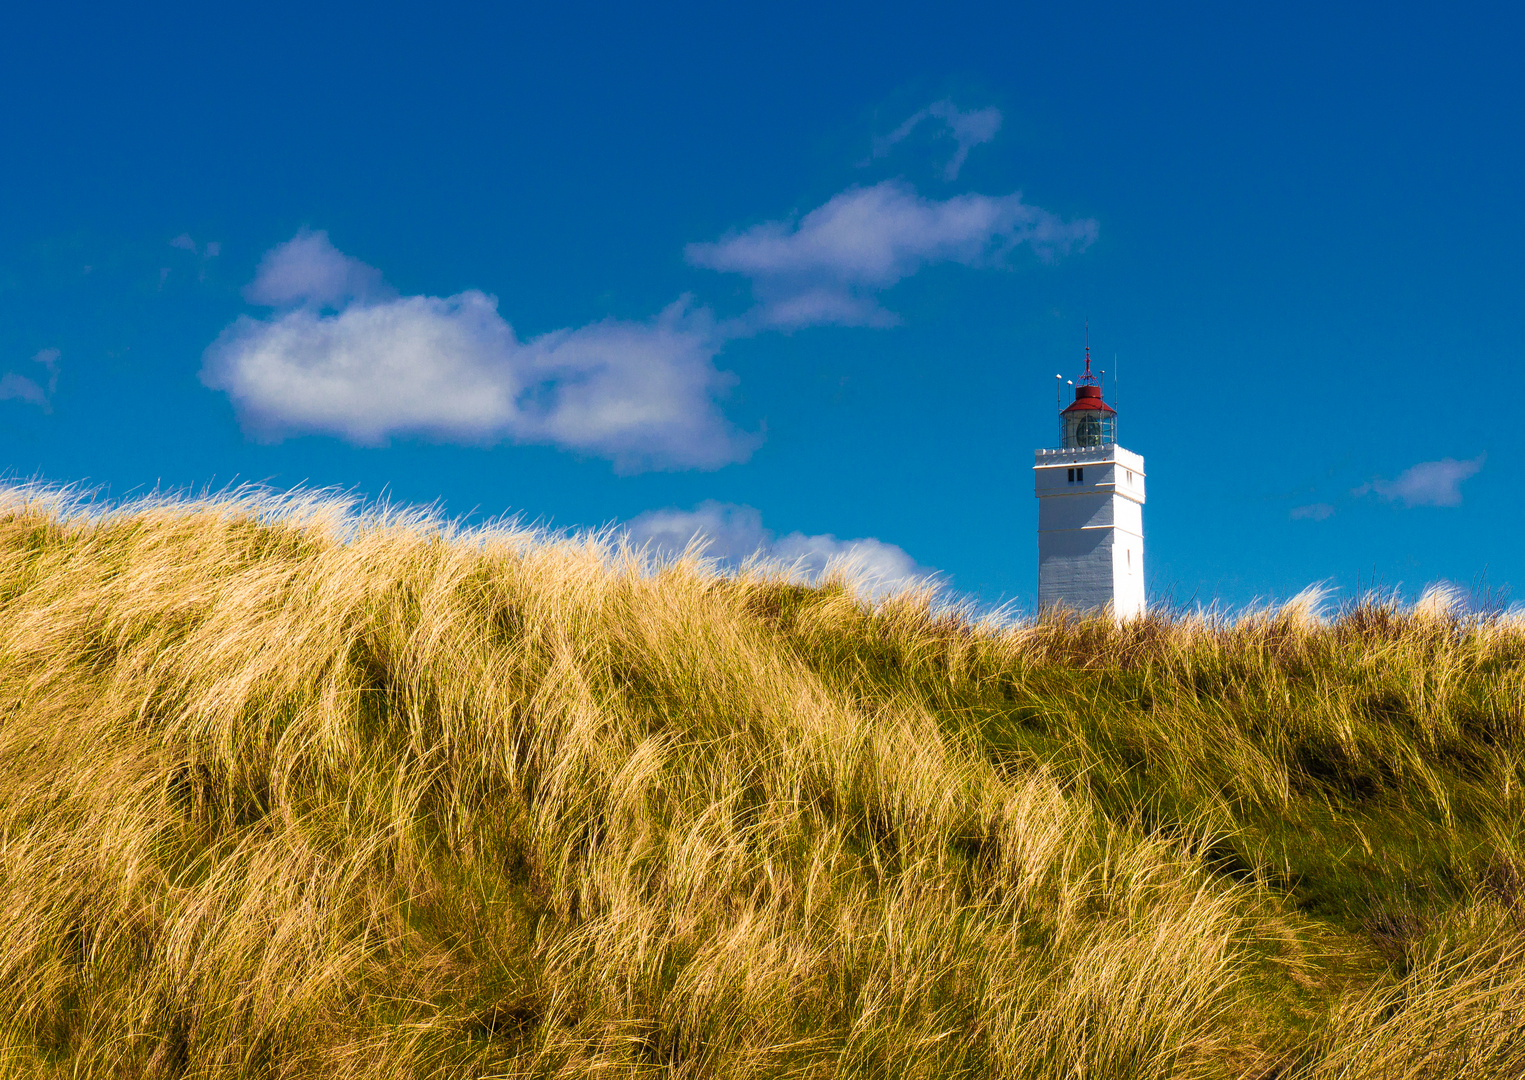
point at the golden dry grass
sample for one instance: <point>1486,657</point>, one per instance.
<point>287,792</point>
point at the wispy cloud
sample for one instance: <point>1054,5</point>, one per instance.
<point>1430,483</point>
<point>344,355</point>
<point>185,242</point>
<point>967,127</point>
<point>829,266</point>
<point>1313,512</point>
<point>18,387</point>
<point>14,387</point>
<point>309,271</point>
<point>734,534</point>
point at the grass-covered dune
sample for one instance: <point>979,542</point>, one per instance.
<point>286,793</point>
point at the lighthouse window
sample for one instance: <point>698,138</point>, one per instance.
<point>1072,476</point>
<point>1080,474</point>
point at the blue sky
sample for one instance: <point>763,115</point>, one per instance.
<point>799,277</point>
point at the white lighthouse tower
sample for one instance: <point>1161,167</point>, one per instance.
<point>1090,511</point>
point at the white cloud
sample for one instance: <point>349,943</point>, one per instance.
<point>967,127</point>
<point>343,354</point>
<point>827,266</point>
<point>884,567</point>
<point>729,532</point>
<point>733,534</point>
<point>1313,512</point>
<point>183,242</point>
<point>642,394</point>
<point>1430,483</point>
<point>14,387</point>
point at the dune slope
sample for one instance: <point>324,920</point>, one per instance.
<point>286,792</point>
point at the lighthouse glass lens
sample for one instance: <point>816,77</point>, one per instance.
<point>1088,432</point>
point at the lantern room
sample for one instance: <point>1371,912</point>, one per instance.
<point>1088,421</point>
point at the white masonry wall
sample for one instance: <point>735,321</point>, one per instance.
<point>1091,532</point>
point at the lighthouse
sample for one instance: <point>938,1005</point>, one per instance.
<point>1090,511</point>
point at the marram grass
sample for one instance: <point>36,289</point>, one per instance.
<point>285,792</point>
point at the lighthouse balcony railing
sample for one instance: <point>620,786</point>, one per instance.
<point>1087,455</point>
